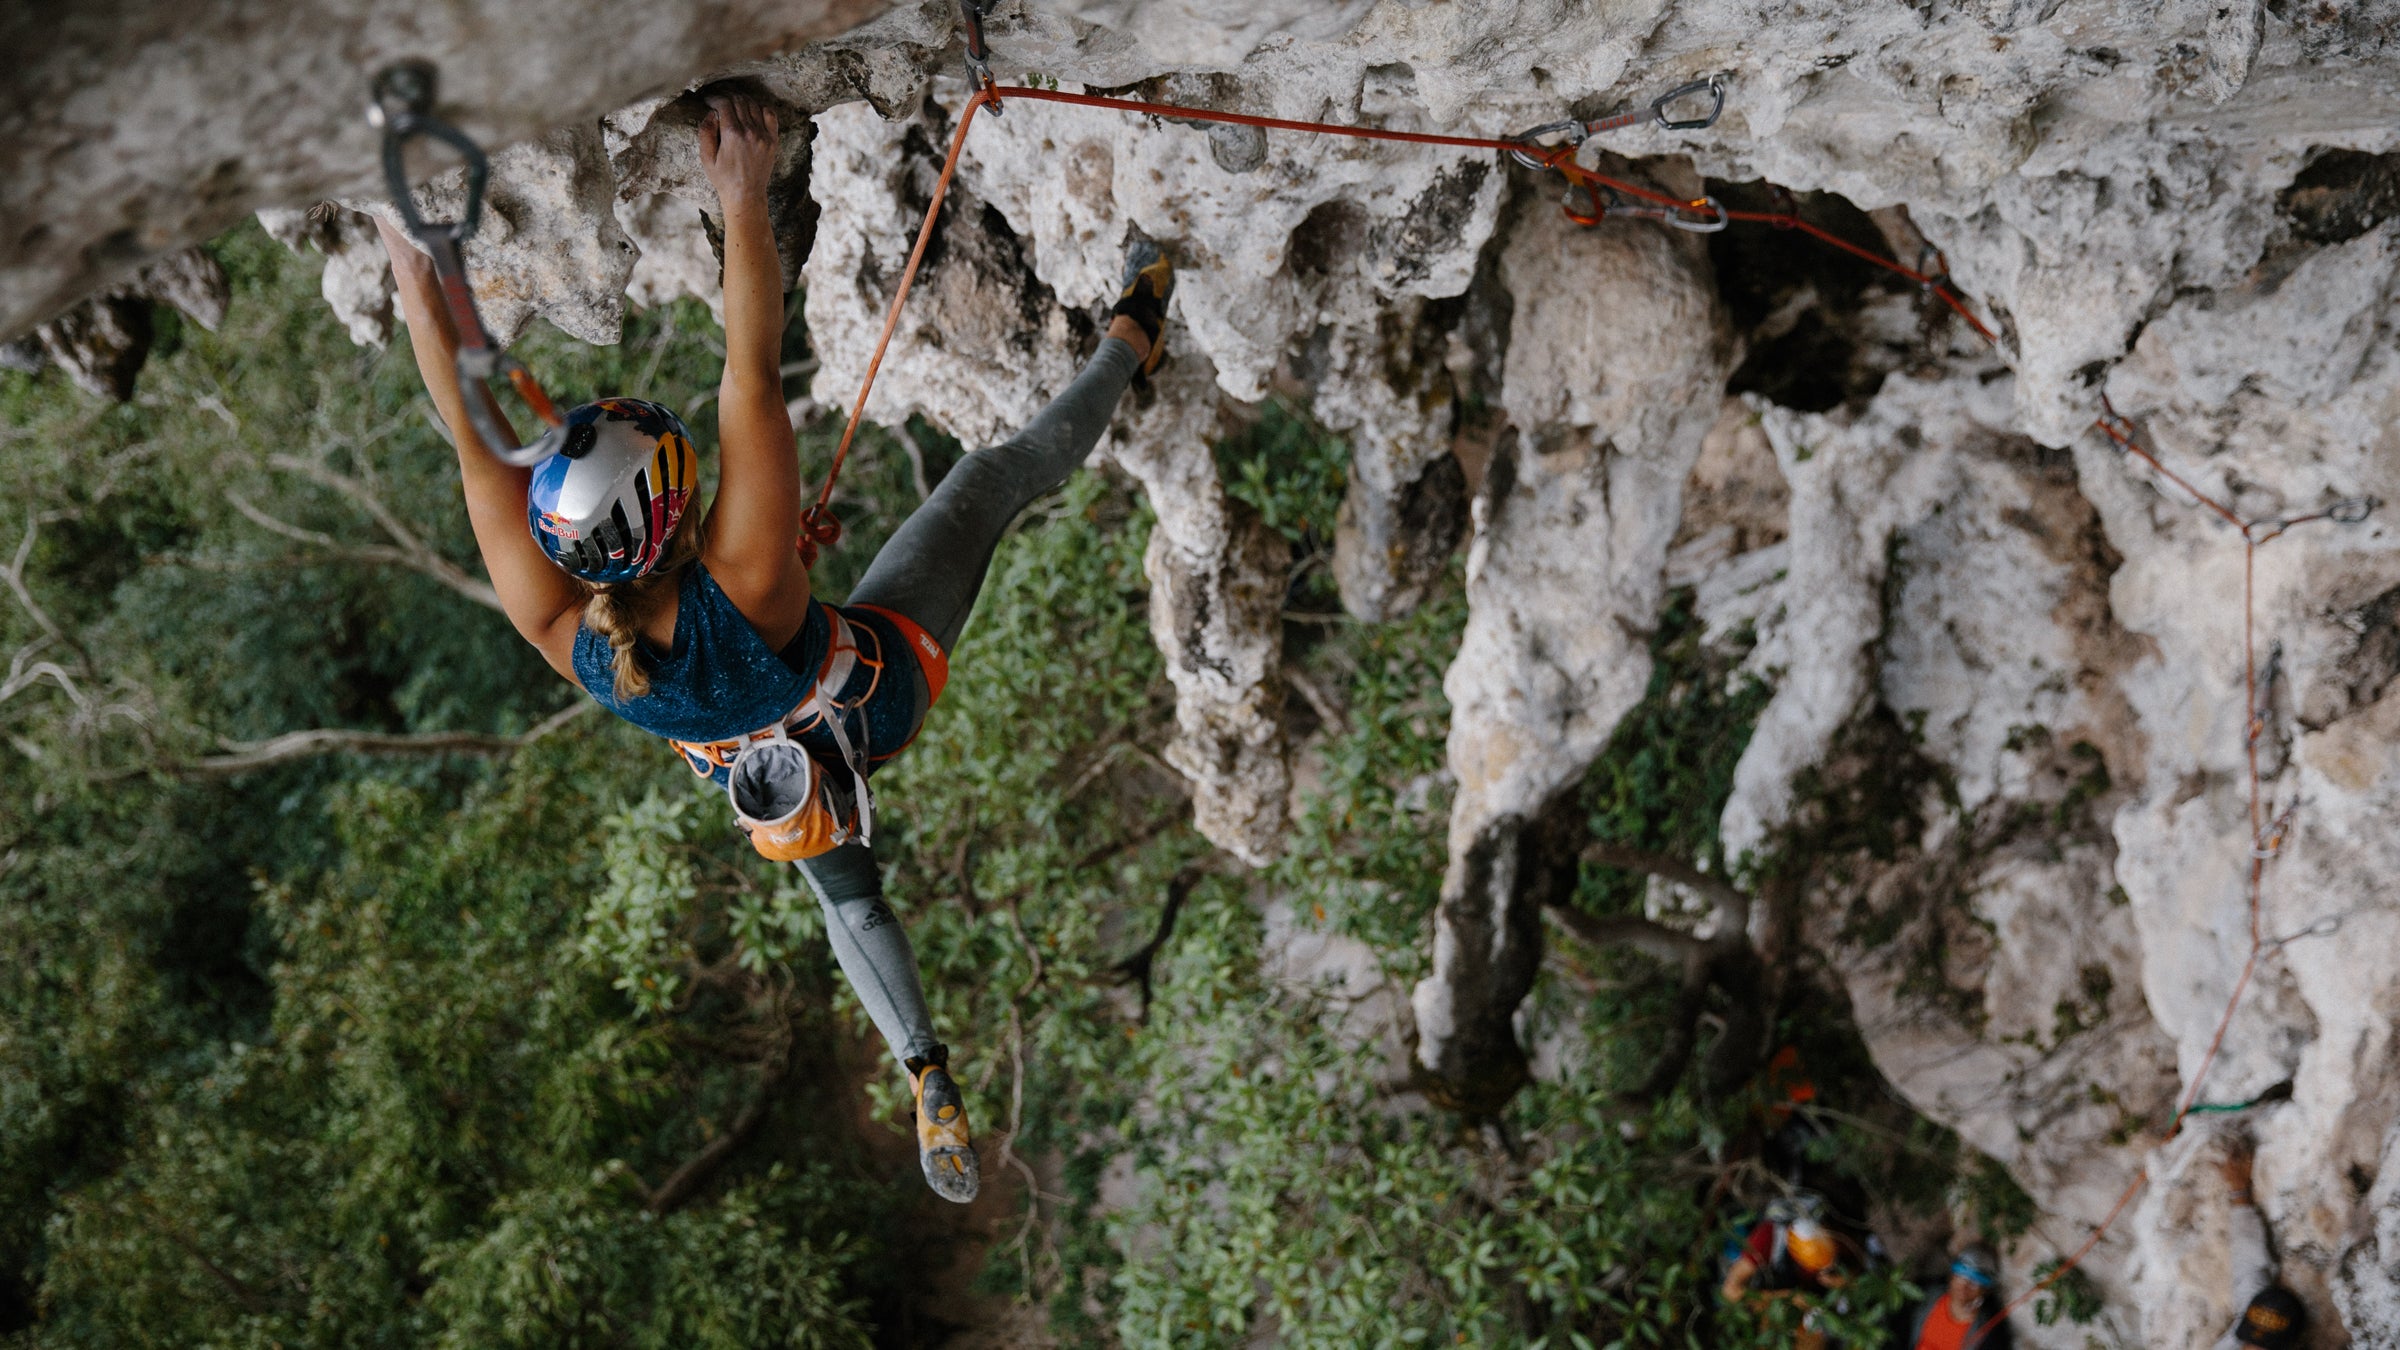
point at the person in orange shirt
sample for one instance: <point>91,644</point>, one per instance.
<point>1950,1320</point>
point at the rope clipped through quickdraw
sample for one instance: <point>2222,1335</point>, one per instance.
<point>1553,146</point>
<point>2267,836</point>
<point>403,109</point>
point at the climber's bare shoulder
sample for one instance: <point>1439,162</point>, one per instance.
<point>555,640</point>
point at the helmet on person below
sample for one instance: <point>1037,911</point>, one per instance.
<point>1811,1246</point>
<point>605,505</point>
<point>1977,1266</point>
<point>2274,1319</point>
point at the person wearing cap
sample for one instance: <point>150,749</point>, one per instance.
<point>2275,1318</point>
<point>1798,1259</point>
<point>1954,1318</point>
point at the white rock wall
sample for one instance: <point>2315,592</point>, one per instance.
<point>2104,180</point>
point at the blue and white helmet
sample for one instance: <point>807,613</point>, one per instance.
<point>605,505</point>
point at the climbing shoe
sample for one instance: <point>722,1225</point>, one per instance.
<point>1149,279</point>
<point>944,1149</point>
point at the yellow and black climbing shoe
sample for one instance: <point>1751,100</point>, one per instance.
<point>944,1148</point>
<point>1149,279</point>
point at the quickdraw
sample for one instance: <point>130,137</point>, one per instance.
<point>1701,215</point>
<point>979,56</point>
<point>1549,137</point>
<point>403,110</point>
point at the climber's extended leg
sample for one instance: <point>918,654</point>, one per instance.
<point>875,956</point>
<point>934,564</point>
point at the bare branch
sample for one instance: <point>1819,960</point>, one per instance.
<point>407,550</point>
<point>1732,903</point>
<point>247,756</point>
<point>23,676</point>
<point>250,1299</point>
<point>1137,969</point>
<point>278,525</point>
<point>685,1181</point>
<point>14,574</point>
<point>1657,939</point>
<point>916,459</point>
<point>1327,714</point>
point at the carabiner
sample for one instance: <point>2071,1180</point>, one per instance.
<point>1712,85</point>
<point>403,109</point>
<point>1569,132</point>
<point>1706,226</point>
<point>979,64</point>
<point>2351,510</point>
<point>1566,205</point>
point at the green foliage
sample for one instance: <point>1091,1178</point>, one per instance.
<point>574,1267</point>
<point>1663,780</point>
<point>1367,853</point>
<point>2071,1297</point>
<point>631,925</point>
<point>1288,469</point>
<point>441,1134</point>
<point>362,1052</point>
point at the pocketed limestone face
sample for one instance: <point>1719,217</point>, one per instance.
<point>2184,207</point>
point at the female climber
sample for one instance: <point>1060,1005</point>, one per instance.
<point>700,627</point>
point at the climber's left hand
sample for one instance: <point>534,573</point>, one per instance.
<point>737,148</point>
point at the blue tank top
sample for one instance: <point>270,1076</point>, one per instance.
<point>721,681</point>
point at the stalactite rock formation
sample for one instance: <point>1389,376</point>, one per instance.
<point>1611,384</point>
<point>2187,208</point>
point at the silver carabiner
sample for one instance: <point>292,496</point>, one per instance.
<point>2351,510</point>
<point>979,66</point>
<point>1705,226</point>
<point>1568,132</point>
<point>1712,85</point>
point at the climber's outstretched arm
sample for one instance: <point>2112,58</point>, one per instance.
<point>756,516</point>
<point>541,601</point>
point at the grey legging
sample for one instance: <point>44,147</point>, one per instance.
<point>931,570</point>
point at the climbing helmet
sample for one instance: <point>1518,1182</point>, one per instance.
<point>1811,1246</point>
<point>606,504</point>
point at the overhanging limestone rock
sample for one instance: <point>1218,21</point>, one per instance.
<point>133,128</point>
<point>2174,204</point>
<point>1611,383</point>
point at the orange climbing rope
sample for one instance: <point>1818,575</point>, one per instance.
<point>1704,214</point>
<point>2266,836</point>
<point>819,527</point>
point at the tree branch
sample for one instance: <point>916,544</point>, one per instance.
<point>1732,904</point>
<point>1136,969</point>
<point>407,549</point>
<point>247,756</point>
<point>686,1181</point>
<point>1629,930</point>
<point>249,1298</point>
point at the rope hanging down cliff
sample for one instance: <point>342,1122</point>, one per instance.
<point>1555,147</point>
<point>404,95</point>
<point>2268,834</point>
